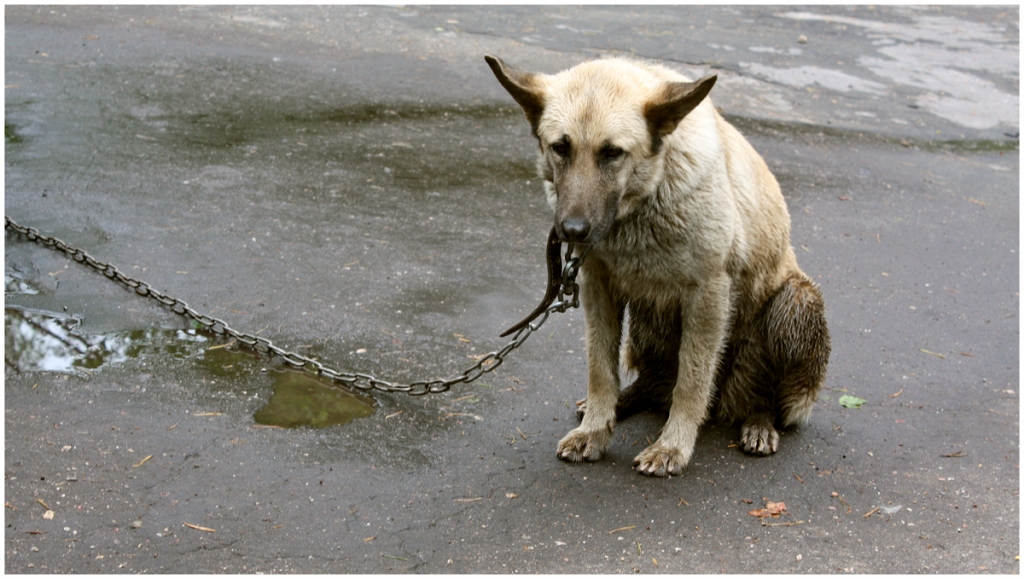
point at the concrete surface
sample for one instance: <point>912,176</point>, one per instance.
<point>352,183</point>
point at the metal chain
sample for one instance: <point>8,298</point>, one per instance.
<point>568,297</point>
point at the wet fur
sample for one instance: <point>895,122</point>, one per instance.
<point>689,237</point>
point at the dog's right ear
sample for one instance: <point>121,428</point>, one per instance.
<point>523,87</point>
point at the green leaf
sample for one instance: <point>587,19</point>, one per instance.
<point>851,401</point>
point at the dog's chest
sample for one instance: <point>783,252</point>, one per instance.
<point>654,254</point>
<point>645,268</point>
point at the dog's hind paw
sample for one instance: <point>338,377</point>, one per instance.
<point>660,460</point>
<point>580,445</point>
<point>758,436</point>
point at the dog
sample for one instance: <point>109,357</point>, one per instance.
<point>689,256</point>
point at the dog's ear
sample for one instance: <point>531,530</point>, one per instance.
<point>523,87</point>
<point>676,101</point>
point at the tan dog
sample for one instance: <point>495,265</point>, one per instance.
<point>689,232</point>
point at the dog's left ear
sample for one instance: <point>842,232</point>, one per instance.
<point>676,101</point>
<point>522,86</point>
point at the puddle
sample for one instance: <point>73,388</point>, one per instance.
<point>11,134</point>
<point>15,285</point>
<point>38,341</point>
<point>940,55</point>
<point>301,400</point>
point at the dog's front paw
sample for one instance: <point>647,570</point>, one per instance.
<point>581,408</point>
<point>580,444</point>
<point>661,460</point>
<point>758,436</point>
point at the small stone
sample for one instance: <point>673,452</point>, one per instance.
<point>136,524</point>
<point>799,557</point>
<point>48,515</point>
<point>802,39</point>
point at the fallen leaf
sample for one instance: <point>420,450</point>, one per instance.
<point>848,401</point>
<point>142,462</point>
<point>368,539</point>
<point>896,394</point>
<point>511,495</point>
<point>747,501</point>
<point>45,506</point>
<point>957,454</point>
<point>621,529</point>
<point>770,510</point>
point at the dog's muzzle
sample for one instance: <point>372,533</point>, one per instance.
<point>574,229</point>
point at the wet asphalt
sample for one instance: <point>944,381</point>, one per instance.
<point>353,184</point>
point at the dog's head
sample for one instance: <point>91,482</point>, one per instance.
<point>601,127</point>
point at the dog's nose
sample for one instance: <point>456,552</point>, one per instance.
<point>575,229</point>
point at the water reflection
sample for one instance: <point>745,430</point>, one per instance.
<point>301,400</point>
<point>15,285</point>
<point>48,342</point>
<point>37,341</point>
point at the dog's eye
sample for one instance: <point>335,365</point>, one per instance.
<point>611,153</point>
<point>561,149</point>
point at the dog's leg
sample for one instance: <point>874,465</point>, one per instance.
<point>799,342</point>
<point>779,366</point>
<point>604,332</point>
<point>704,321</point>
<point>653,352</point>
<point>747,393</point>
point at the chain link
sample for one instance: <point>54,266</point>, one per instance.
<point>568,297</point>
